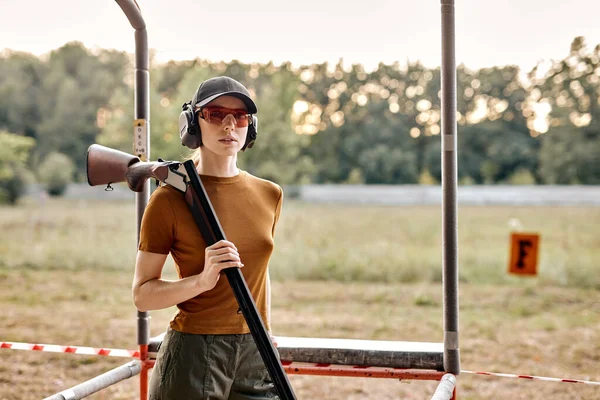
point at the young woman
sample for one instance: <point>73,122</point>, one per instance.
<point>208,352</point>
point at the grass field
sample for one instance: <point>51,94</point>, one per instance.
<point>352,272</point>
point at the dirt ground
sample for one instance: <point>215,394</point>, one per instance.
<point>526,329</point>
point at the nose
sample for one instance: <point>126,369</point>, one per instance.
<point>229,122</point>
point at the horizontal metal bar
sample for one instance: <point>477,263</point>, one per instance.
<point>361,372</point>
<point>99,382</point>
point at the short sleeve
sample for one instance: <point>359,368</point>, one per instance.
<point>157,232</point>
<point>277,209</point>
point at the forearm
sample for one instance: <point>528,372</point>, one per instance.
<point>157,294</point>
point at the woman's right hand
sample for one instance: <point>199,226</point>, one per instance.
<point>219,256</point>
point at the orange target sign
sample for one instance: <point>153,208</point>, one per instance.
<point>523,253</point>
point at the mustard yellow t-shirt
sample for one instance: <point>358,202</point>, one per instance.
<point>248,209</point>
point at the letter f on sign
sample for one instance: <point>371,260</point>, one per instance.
<point>523,254</point>
<point>523,245</point>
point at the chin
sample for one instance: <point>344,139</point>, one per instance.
<point>225,152</point>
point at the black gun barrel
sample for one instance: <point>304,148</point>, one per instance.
<point>212,232</point>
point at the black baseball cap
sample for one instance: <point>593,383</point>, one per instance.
<point>213,88</point>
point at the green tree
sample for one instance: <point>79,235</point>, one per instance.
<point>357,121</point>
<point>322,122</point>
<point>76,87</point>
<point>277,154</point>
<point>169,76</point>
<point>14,152</point>
<point>570,151</point>
<point>56,172</point>
<point>21,75</point>
<point>494,139</point>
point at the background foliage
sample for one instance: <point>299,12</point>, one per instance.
<point>321,123</point>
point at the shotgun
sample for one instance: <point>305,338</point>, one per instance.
<point>106,166</point>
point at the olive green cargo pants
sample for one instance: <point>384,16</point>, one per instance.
<point>210,367</point>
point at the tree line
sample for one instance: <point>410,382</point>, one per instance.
<point>319,123</point>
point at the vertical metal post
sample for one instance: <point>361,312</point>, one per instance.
<point>449,183</point>
<point>141,147</point>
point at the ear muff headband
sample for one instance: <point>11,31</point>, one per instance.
<point>189,128</point>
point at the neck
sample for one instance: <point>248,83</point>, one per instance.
<point>214,165</point>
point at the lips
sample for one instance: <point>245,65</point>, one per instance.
<point>227,140</point>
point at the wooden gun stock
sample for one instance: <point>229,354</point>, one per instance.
<point>106,166</point>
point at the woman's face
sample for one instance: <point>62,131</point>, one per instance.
<point>223,136</point>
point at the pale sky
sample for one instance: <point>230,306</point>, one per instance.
<point>489,32</point>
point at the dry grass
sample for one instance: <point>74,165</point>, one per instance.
<point>326,242</point>
<point>403,244</point>
<point>65,279</point>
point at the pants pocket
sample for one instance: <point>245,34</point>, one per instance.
<point>168,355</point>
<point>171,354</point>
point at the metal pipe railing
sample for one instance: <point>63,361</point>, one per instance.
<point>100,382</point>
<point>446,388</point>
<point>449,183</point>
<point>449,206</point>
<point>141,146</point>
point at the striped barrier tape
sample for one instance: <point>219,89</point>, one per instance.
<point>53,348</point>
<point>531,377</point>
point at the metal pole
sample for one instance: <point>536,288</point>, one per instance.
<point>449,180</point>
<point>100,382</point>
<point>141,147</point>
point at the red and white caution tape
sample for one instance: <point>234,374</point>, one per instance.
<point>53,348</point>
<point>539,378</point>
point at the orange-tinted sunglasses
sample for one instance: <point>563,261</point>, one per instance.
<point>216,115</point>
